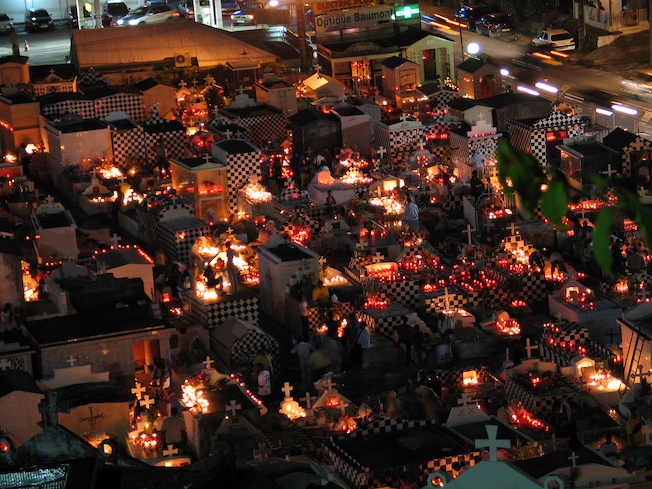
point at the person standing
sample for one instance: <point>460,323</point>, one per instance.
<point>635,428</point>
<point>25,159</point>
<point>264,383</point>
<point>174,430</point>
<point>405,336</point>
<point>362,344</point>
<point>504,413</point>
<point>411,215</point>
<point>304,314</point>
<point>393,405</point>
<point>231,269</point>
<point>331,204</point>
<point>303,349</point>
<point>161,155</point>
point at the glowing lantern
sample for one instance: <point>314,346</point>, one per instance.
<point>291,409</point>
<point>470,377</point>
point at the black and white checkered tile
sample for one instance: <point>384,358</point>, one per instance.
<point>177,236</point>
<point>261,129</point>
<point>538,404</point>
<point>15,363</point>
<point>127,144</point>
<point>85,108</point>
<point>381,322</point>
<point>239,167</point>
<point>212,314</point>
<point>129,103</point>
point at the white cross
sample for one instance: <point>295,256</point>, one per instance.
<point>329,384</point>
<point>465,400</point>
<point>512,228</point>
<point>609,171</point>
<point>233,407</point>
<point>207,158</point>
<point>241,90</point>
<point>646,432</point>
<point>146,401</point>
<point>447,297</point>
<point>139,390</point>
<point>469,234</point>
<point>71,360</point>
<point>228,133</point>
<point>5,364</point>
<point>573,458</point>
<point>480,117</point>
<point>209,79</point>
<point>308,400</point>
<point>182,84</point>
<point>529,347</point>
<point>492,443</point>
<point>404,117</point>
<point>208,362</point>
<point>382,152</point>
<point>94,172</point>
<point>49,199</point>
<point>170,451</point>
<point>194,82</point>
<point>115,241</point>
<point>559,316</point>
<point>287,390</point>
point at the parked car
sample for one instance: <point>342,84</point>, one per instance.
<point>38,20</point>
<point>244,17</point>
<point>112,11</point>
<point>557,39</point>
<point>187,10</point>
<point>468,15</point>
<point>72,17</point>
<point>493,25</point>
<point>156,13</point>
<point>230,8</point>
<point>6,26</point>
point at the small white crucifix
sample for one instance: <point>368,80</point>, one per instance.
<point>609,171</point>
<point>559,316</point>
<point>492,443</point>
<point>170,451</point>
<point>382,152</point>
<point>228,133</point>
<point>241,90</point>
<point>529,347</point>
<point>465,400</point>
<point>233,407</point>
<point>287,390</point>
<point>49,199</point>
<point>512,228</point>
<point>208,362</point>
<point>182,84</point>
<point>573,458</point>
<point>139,390</point>
<point>71,360</point>
<point>329,384</point>
<point>469,234</point>
<point>404,117</point>
<point>115,241</point>
<point>5,364</point>
<point>146,402</point>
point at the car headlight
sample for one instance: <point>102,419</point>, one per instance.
<point>33,19</point>
<point>119,21</point>
<point>133,22</point>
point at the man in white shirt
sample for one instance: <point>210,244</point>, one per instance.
<point>411,216</point>
<point>303,350</point>
<point>363,343</point>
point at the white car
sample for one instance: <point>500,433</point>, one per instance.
<point>156,13</point>
<point>557,39</point>
<point>5,24</point>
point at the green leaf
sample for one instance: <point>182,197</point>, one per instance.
<point>554,202</point>
<point>601,239</point>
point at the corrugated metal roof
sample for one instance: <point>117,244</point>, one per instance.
<point>151,43</point>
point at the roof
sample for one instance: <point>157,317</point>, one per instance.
<point>122,256</point>
<point>18,97</point>
<point>92,392</point>
<point>158,44</point>
<point>308,116</point>
<point>41,72</point>
<point>540,466</point>
<point>184,224</point>
<point>56,97</point>
<point>91,325</point>
<point>619,138</point>
<point>463,103</point>
<point>256,110</point>
<point>232,330</point>
<point>395,61</point>
<point>100,91</point>
<point>507,99</point>
<point>471,65</point>
<point>236,146</point>
<point>146,84</point>
<point>79,126</point>
<point>10,246</point>
<point>21,60</point>
<point>432,88</point>
<point>494,474</point>
<point>17,380</point>
<point>78,473</point>
<point>344,110</point>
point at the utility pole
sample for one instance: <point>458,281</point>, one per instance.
<point>304,58</point>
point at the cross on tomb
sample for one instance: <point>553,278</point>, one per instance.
<point>329,384</point>
<point>322,261</point>
<point>207,158</point>
<point>194,82</point>
<point>573,458</point>
<point>182,84</point>
<point>49,199</point>
<point>5,364</point>
<point>51,71</point>
<point>646,430</point>
<point>241,90</point>
<point>262,452</point>
<point>382,152</point>
<point>146,401</point>
<point>492,443</point>
<point>378,257</point>
<point>555,442</point>
<point>139,390</point>
<point>287,390</point>
<point>559,316</point>
<point>244,53</point>
<point>309,152</point>
<point>71,360</point>
<point>50,407</point>
<point>317,68</point>
<point>611,335</point>
<point>529,347</point>
<point>512,228</point>
<point>480,117</point>
<point>228,133</point>
<point>170,450</point>
<point>447,298</point>
<point>94,172</point>
<point>233,407</point>
<point>640,372</point>
<point>469,234</point>
<point>209,79</point>
<point>308,400</point>
<point>115,241</point>
<point>465,400</point>
<point>92,419</point>
<point>609,171</point>
<point>404,117</point>
<point>208,362</point>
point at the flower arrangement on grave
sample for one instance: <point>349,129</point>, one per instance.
<point>525,421</point>
<point>574,475</point>
<point>107,170</point>
<point>193,390</point>
<point>374,298</point>
<point>523,451</point>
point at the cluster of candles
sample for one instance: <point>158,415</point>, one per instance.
<point>392,206</point>
<point>604,381</point>
<point>250,277</point>
<point>334,281</point>
<point>375,303</point>
<point>498,213</point>
<point>145,442</point>
<point>524,419</point>
<point>621,287</point>
<point>109,172</point>
<point>255,193</point>
<point>384,272</point>
<point>474,284</point>
<point>372,233</point>
<point>132,196</point>
<point>299,233</point>
<point>101,199</point>
<point>355,177</point>
<point>518,303</point>
<point>357,162</point>
<point>250,394</point>
<point>588,205</point>
<point>292,410</point>
<point>568,346</point>
<point>512,268</point>
<point>508,326</point>
<point>192,396</point>
<point>583,300</point>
